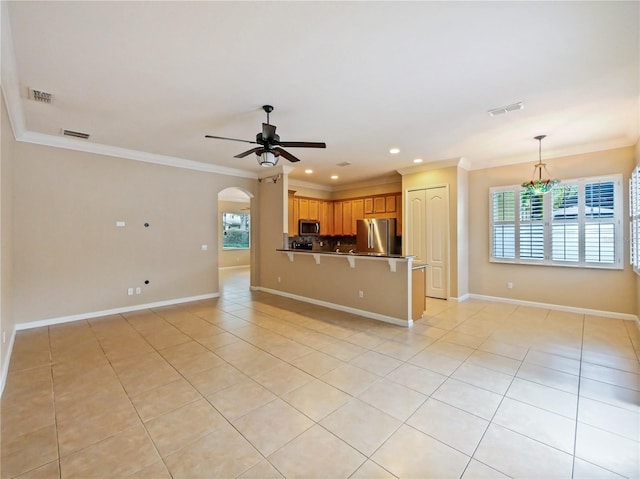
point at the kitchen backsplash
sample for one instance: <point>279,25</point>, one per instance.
<point>344,244</point>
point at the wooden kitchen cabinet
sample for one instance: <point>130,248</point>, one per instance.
<point>399,215</point>
<point>337,218</point>
<point>292,205</point>
<point>379,204</point>
<point>390,204</point>
<point>347,219</point>
<point>314,211</point>
<point>326,217</point>
<point>304,208</point>
<point>357,213</point>
<point>368,206</point>
<point>340,217</point>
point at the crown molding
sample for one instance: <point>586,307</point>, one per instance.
<point>136,155</point>
<point>433,165</point>
<point>13,102</point>
<point>621,142</point>
<point>311,186</point>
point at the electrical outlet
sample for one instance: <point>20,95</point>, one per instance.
<point>510,285</point>
<point>138,290</point>
<point>361,294</point>
<point>279,279</point>
<point>130,291</point>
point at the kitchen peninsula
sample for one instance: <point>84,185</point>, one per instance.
<point>372,285</point>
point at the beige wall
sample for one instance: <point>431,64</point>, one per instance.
<point>69,257</point>
<point>382,189</point>
<point>7,321</point>
<point>386,188</point>
<point>237,257</point>
<point>603,290</point>
<point>333,281</point>
<point>440,177</point>
<point>463,233</point>
<point>273,200</point>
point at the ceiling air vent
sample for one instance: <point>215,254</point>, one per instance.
<point>344,163</point>
<point>76,134</point>
<point>39,95</point>
<point>506,109</point>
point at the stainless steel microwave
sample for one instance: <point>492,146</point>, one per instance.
<point>308,228</point>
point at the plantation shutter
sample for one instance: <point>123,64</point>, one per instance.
<point>503,225</point>
<point>600,223</point>
<point>531,226</point>
<point>634,212</point>
<point>565,224</point>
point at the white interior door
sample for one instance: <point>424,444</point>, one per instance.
<point>437,225</point>
<point>427,235</point>
<point>416,217</point>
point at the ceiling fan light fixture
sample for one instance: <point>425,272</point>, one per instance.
<point>267,159</point>
<point>539,185</point>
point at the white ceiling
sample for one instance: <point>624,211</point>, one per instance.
<point>149,79</point>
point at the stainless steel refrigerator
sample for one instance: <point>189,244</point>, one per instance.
<point>376,236</point>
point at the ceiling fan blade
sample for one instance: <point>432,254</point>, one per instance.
<point>286,154</point>
<point>302,144</point>
<point>232,139</point>
<point>268,132</point>
<point>259,150</point>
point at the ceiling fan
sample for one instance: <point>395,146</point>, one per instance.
<point>270,144</point>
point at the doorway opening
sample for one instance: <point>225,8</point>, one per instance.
<point>234,241</point>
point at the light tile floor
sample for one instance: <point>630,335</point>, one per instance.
<point>252,385</point>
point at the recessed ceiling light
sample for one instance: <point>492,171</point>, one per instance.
<point>394,151</point>
<point>308,172</point>
<point>334,177</point>
<point>418,160</point>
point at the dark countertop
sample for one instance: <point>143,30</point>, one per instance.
<point>355,253</point>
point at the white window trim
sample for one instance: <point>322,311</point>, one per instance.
<point>634,221</point>
<point>547,261</point>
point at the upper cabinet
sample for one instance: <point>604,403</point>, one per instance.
<point>326,217</point>
<point>340,217</point>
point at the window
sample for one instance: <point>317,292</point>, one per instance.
<point>235,231</point>
<point>634,211</point>
<point>577,224</point>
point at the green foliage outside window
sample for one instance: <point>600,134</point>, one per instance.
<point>235,231</point>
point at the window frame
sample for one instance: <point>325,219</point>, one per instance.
<point>548,224</point>
<point>634,219</point>
<point>226,227</point>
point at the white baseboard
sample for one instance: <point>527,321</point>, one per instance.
<point>459,299</point>
<point>5,365</point>
<point>339,307</point>
<point>107,312</point>
<point>556,307</point>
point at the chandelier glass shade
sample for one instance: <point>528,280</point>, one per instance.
<point>539,185</point>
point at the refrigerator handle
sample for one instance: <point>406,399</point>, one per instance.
<point>371,234</point>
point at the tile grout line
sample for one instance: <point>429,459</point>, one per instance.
<point>53,399</point>
<point>575,436</point>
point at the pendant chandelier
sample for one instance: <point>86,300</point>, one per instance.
<point>539,185</point>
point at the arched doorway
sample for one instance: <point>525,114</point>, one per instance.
<point>234,241</point>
